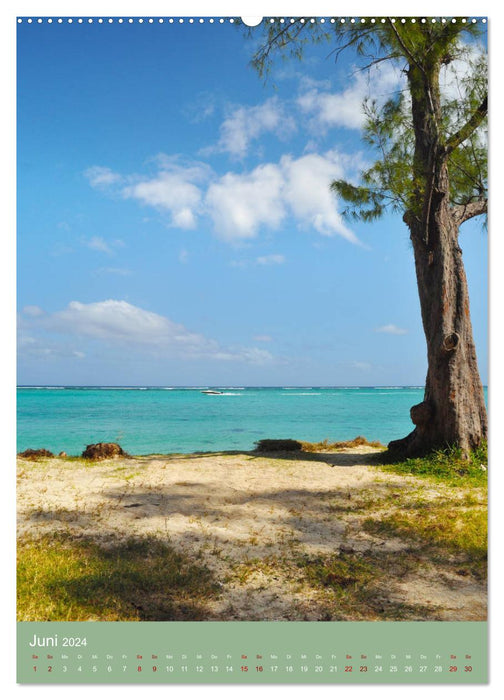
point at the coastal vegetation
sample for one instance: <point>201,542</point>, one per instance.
<point>289,445</point>
<point>450,466</point>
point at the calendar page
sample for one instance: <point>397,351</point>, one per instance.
<point>252,349</point>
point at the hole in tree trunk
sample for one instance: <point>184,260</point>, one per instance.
<point>450,342</point>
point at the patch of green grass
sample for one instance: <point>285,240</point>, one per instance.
<point>61,514</point>
<point>63,578</point>
<point>358,441</point>
<point>448,529</point>
<point>347,586</point>
<point>359,502</point>
<point>81,461</point>
<point>446,465</point>
<point>354,586</point>
<point>246,569</point>
<point>339,572</point>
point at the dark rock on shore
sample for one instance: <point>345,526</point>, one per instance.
<point>278,446</point>
<point>35,454</point>
<point>104,450</point>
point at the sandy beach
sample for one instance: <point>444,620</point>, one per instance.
<point>251,518</point>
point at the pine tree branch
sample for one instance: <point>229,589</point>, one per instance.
<point>463,212</point>
<point>261,57</point>
<point>405,49</point>
<point>465,131</point>
<point>372,63</point>
<point>355,39</point>
<point>410,56</point>
<point>478,183</point>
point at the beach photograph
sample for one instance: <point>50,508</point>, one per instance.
<point>252,298</point>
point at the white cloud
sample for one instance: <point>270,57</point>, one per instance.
<point>263,338</point>
<point>99,244</point>
<point>391,329</point>
<point>43,347</point>
<point>307,192</point>
<point>33,311</point>
<point>122,271</point>
<point>201,108</point>
<point>273,259</point>
<point>364,366</point>
<point>240,203</point>
<point>454,77</point>
<point>253,356</point>
<point>175,189</point>
<point>101,177</point>
<point>25,340</point>
<point>246,124</point>
<point>344,108</point>
<point>119,323</point>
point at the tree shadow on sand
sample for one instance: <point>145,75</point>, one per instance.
<point>334,459</point>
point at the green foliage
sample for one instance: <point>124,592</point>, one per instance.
<point>388,183</point>
<point>358,441</point>
<point>468,163</point>
<point>396,181</point>
<point>448,465</point>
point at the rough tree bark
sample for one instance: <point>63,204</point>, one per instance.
<point>453,411</point>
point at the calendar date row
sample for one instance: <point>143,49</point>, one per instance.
<point>155,668</point>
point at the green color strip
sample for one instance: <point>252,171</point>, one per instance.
<point>252,652</point>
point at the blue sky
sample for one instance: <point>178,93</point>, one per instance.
<point>175,225</point>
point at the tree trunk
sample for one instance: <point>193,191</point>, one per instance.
<point>453,411</point>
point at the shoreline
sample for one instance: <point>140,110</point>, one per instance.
<point>266,527</point>
<point>157,420</point>
<point>282,448</point>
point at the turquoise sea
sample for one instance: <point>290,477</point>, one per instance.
<point>146,420</point>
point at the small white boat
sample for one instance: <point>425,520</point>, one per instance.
<point>211,391</point>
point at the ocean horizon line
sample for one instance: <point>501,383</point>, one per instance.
<point>220,386</point>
